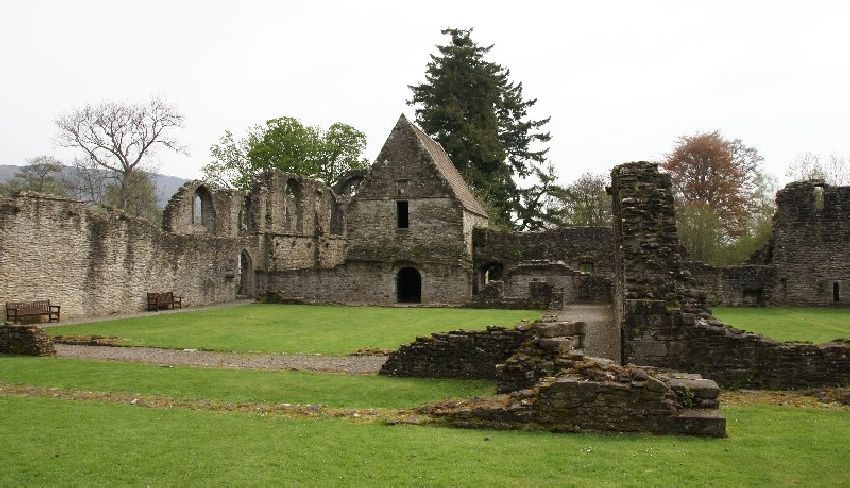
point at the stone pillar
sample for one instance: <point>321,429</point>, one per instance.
<point>648,264</point>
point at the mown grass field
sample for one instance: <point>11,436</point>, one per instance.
<point>294,328</point>
<point>816,325</point>
<point>88,443</point>
<point>231,384</point>
<point>75,424</point>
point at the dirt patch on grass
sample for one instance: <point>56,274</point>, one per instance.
<point>86,340</point>
<point>159,401</point>
<point>820,398</point>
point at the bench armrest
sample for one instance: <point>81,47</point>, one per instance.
<point>55,307</point>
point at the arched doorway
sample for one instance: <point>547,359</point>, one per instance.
<point>409,285</point>
<point>246,275</point>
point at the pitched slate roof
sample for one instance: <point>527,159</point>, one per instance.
<point>447,170</point>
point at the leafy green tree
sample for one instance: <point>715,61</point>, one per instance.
<point>41,174</point>
<point>472,108</point>
<point>285,144</point>
<point>141,199</point>
<point>584,202</point>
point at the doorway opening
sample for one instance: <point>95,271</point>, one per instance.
<point>409,285</point>
<point>836,292</point>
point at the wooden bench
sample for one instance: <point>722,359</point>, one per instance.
<point>16,311</point>
<point>163,301</point>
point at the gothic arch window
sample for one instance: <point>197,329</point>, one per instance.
<point>203,213</point>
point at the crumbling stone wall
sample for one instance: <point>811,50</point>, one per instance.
<point>750,285</point>
<point>456,354</point>
<point>103,263</point>
<point>670,338</point>
<point>810,244</point>
<point>664,319</point>
<point>544,284</point>
<point>25,340</point>
<point>577,247</point>
<point>472,353</point>
<point>218,215</point>
<point>597,395</point>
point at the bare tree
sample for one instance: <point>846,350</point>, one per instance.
<point>833,169</point>
<point>121,138</point>
<point>87,182</point>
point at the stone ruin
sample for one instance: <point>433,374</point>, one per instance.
<point>25,340</point>
<point>410,231</point>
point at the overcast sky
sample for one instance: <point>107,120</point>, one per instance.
<point>621,80</point>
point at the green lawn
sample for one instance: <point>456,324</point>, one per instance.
<point>817,325</point>
<point>230,384</point>
<point>84,443</point>
<point>294,328</point>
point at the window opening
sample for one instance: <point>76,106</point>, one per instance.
<point>819,198</point>
<point>401,214</point>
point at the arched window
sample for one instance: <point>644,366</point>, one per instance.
<point>409,285</point>
<point>203,212</point>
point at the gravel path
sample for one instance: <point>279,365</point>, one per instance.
<point>603,336</point>
<point>342,364</point>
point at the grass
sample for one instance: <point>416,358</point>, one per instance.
<point>817,325</point>
<point>230,384</point>
<point>84,443</point>
<point>294,328</point>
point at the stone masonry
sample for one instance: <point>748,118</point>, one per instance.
<point>597,395</point>
<point>25,340</point>
<point>665,320</point>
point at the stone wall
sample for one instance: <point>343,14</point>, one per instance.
<point>810,250</point>
<point>749,285</point>
<point>25,340</point>
<point>663,315</point>
<point>580,248</point>
<point>544,284</point>
<point>370,283</point>
<point>104,263</point>
<point>658,336</point>
<point>198,209</point>
<point>456,354</point>
<point>597,395</point>
<point>472,353</point>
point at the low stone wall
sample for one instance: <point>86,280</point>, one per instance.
<point>25,340</point>
<point>670,338</point>
<point>746,285</point>
<point>456,354</point>
<point>472,353</point>
<point>597,395</point>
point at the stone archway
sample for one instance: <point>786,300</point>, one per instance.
<point>409,285</point>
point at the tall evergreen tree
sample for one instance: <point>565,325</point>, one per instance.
<point>472,108</point>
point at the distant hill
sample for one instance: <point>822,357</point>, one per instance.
<point>166,185</point>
